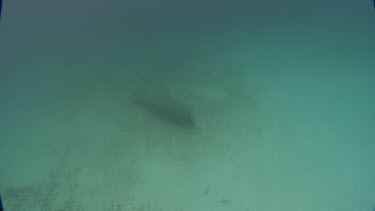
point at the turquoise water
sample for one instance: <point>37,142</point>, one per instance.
<point>281,93</point>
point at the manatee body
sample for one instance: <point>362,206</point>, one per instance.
<point>165,107</point>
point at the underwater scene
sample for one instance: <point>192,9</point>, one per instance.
<point>256,105</point>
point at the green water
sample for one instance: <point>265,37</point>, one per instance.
<point>281,93</point>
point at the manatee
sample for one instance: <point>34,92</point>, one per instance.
<point>165,107</point>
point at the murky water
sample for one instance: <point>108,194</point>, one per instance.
<point>281,94</point>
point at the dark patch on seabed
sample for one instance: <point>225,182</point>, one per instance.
<point>58,193</point>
